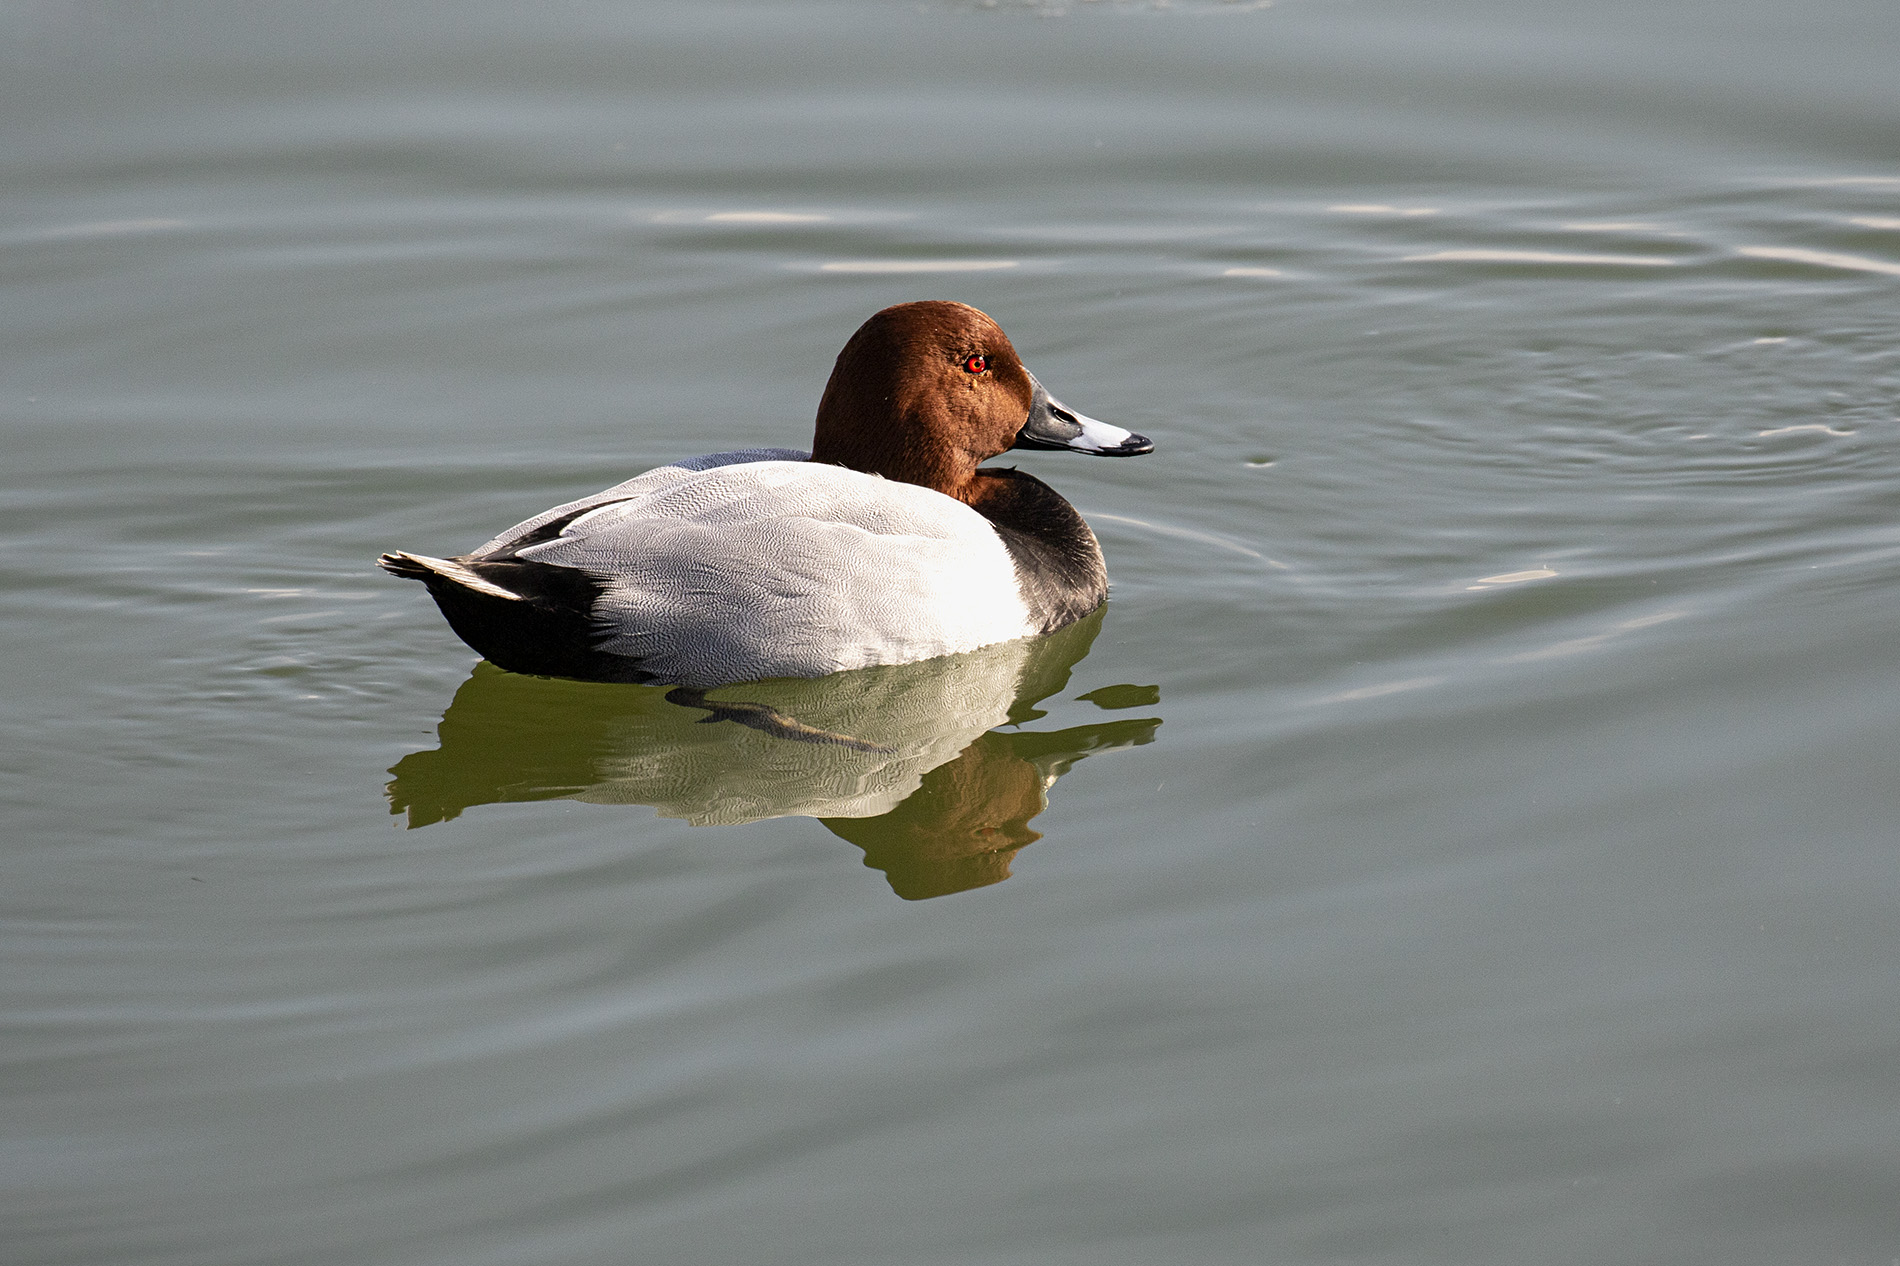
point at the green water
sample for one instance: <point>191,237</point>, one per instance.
<point>1467,835</point>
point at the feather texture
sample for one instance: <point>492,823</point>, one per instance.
<point>748,569</point>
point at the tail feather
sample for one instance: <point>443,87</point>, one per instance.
<point>524,616</point>
<point>422,567</point>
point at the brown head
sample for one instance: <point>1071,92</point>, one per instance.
<point>924,393</point>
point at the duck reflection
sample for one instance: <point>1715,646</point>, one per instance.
<point>904,761</point>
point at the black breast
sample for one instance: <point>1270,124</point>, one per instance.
<point>1058,562</point>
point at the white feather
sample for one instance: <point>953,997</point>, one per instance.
<point>748,569</point>
<point>461,575</point>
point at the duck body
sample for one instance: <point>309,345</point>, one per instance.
<point>778,563</point>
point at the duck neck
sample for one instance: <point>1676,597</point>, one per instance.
<point>887,453</point>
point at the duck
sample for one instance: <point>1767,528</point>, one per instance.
<point>889,542</point>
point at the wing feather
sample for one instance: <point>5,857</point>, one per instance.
<point>781,568</point>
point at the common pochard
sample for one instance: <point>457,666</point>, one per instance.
<point>885,544</point>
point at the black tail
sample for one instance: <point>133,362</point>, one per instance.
<point>408,566</point>
<point>523,616</point>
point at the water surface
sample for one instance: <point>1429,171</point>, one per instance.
<point>1466,836</point>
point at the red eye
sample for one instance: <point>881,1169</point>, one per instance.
<point>976,364</point>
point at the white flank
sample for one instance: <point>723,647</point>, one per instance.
<point>912,574</point>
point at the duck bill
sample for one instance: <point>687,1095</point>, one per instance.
<point>1054,425</point>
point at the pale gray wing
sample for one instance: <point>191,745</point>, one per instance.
<point>740,457</point>
<point>781,569</point>
<point>639,485</point>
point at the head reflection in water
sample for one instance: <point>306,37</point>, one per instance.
<point>935,795</point>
